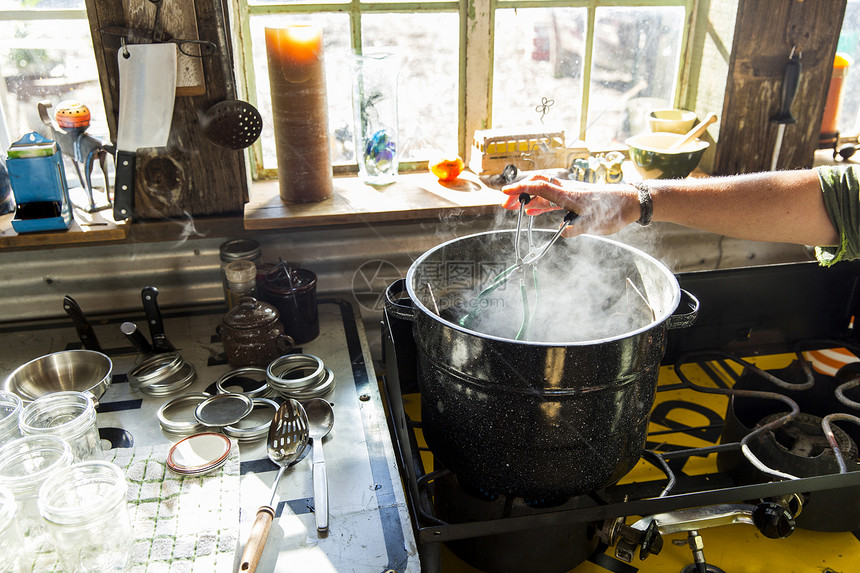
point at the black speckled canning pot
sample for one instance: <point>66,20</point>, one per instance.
<point>537,419</point>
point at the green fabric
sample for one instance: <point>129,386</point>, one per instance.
<point>840,186</point>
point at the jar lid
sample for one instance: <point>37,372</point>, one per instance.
<point>199,454</point>
<point>251,313</point>
<point>240,249</point>
<point>240,271</point>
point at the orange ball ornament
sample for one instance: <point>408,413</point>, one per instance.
<point>446,168</point>
<point>72,114</point>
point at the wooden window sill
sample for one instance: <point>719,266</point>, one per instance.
<point>412,196</point>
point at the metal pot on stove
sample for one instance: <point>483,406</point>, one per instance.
<point>564,410</point>
<point>252,334</point>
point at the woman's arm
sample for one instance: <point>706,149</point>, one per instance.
<point>783,206</point>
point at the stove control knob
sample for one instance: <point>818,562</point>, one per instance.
<point>773,520</point>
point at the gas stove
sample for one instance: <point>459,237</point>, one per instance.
<point>737,474</point>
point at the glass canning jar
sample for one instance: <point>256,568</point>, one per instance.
<point>69,415</point>
<point>10,409</point>
<point>85,509</point>
<point>11,542</point>
<point>25,464</point>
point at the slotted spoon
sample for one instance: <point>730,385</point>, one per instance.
<point>288,437</point>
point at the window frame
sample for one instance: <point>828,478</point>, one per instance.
<point>475,74</point>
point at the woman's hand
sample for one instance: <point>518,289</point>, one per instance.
<point>602,209</point>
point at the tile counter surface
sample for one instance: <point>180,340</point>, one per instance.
<point>370,529</point>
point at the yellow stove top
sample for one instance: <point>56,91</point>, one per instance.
<point>736,548</point>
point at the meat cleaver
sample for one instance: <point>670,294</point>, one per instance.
<point>147,88</point>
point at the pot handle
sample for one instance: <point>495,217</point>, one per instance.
<point>684,319</point>
<point>285,343</point>
<point>398,305</point>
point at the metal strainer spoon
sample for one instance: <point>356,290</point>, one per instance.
<point>288,437</point>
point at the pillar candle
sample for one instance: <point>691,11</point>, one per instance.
<point>297,80</point>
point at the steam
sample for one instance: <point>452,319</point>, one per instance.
<point>584,289</point>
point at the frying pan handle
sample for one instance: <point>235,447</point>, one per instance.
<point>398,305</point>
<point>684,319</point>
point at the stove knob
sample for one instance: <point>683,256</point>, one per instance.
<point>773,520</point>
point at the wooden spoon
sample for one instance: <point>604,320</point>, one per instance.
<point>693,133</point>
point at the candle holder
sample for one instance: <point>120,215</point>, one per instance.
<point>300,112</point>
<point>374,101</point>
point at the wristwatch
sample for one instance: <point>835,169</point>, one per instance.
<point>646,203</point>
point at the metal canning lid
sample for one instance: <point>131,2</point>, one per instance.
<point>155,369</point>
<point>291,363</point>
<point>172,384</point>
<point>253,432</point>
<point>251,379</point>
<point>240,249</point>
<point>181,427</point>
<point>223,409</point>
<point>324,388</point>
<point>199,454</point>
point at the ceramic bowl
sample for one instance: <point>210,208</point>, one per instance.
<point>649,153</point>
<point>671,120</point>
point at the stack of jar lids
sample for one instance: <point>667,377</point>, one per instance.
<point>199,454</point>
<point>250,380</point>
<point>162,374</point>
<point>229,412</point>
<point>300,376</point>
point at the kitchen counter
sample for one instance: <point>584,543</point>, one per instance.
<point>370,529</point>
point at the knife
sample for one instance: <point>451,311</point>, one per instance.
<point>147,89</point>
<point>783,117</point>
<point>82,325</point>
<point>149,296</point>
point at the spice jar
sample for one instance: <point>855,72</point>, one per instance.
<point>252,334</point>
<point>241,281</point>
<point>293,291</point>
<point>25,464</point>
<point>86,512</point>
<point>10,409</point>
<point>237,250</point>
<point>69,415</point>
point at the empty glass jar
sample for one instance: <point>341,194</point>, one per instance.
<point>69,415</point>
<point>85,509</point>
<point>11,542</point>
<point>25,464</point>
<point>10,408</point>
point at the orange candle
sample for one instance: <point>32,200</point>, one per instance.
<point>299,107</point>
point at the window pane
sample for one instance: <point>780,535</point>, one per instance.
<point>635,63</point>
<point>849,43</point>
<point>427,92</point>
<point>338,86</point>
<point>52,60</point>
<point>538,54</point>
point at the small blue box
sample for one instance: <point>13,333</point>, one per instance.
<point>38,179</point>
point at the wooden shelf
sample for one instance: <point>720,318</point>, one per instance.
<point>86,227</point>
<point>412,196</point>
